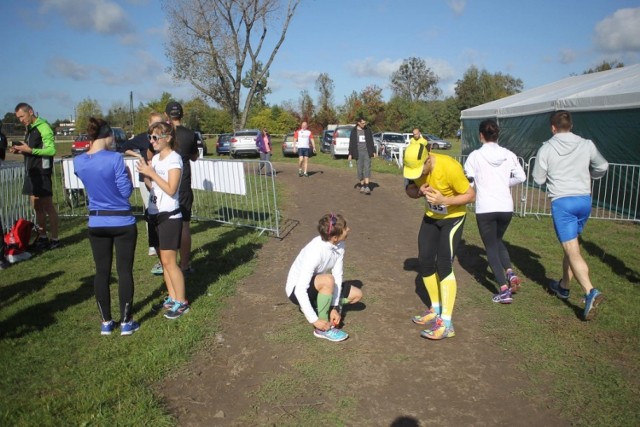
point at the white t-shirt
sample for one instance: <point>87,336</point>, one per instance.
<point>159,201</point>
<point>318,257</point>
<point>303,137</point>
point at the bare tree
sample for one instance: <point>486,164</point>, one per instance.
<point>326,112</point>
<point>415,81</point>
<point>214,44</point>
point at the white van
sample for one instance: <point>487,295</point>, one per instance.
<point>340,142</point>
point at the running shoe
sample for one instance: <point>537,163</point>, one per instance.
<point>152,251</point>
<point>591,301</point>
<point>188,270</point>
<point>439,332</point>
<point>178,309</point>
<point>129,327</point>
<point>299,172</point>
<point>503,297</point>
<point>514,283</point>
<point>367,190</point>
<point>107,327</point>
<point>362,189</point>
<point>165,304</point>
<point>560,292</point>
<point>306,175</point>
<point>333,334</point>
<point>427,318</point>
<point>41,244</point>
<point>54,243</point>
<point>157,269</point>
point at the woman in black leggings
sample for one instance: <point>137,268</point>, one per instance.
<point>111,223</point>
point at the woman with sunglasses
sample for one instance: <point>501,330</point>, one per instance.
<point>108,184</point>
<point>440,181</point>
<point>162,177</point>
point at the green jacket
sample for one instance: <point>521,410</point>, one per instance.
<point>40,138</point>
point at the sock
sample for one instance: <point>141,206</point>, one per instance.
<point>503,288</point>
<point>448,289</point>
<point>324,304</point>
<point>431,284</point>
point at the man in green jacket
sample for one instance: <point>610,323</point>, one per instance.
<point>38,150</point>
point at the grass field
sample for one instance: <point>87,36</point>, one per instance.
<point>58,370</point>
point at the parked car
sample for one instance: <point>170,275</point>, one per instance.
<point>437,142</point>
<point>223,146</point>
<point>201,143</point>
<point>389,142</point>
<point>81,142</point>
<point>340,141</point>
<point>243,143</point>
<point>287,146</point>
<point>327,138</point>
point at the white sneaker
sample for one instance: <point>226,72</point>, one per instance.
<point>152,251</point>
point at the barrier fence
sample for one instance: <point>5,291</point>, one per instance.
<point>234,192</point>
<point>226,191</point>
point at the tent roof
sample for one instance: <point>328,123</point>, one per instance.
<point>607,90</point>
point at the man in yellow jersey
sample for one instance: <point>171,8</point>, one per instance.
<point>440,181</point>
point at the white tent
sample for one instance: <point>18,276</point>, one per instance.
<point>605,108</point>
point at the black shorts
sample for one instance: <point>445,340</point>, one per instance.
<point>186,202</point>
<point>166,235</point>
<point>38,186</point>
<point>313,293</point>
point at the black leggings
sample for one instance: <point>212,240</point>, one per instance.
<point>103,239</point>
<point>492,226</point>
<point>438,240</point>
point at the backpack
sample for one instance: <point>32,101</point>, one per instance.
<point>17,241</point>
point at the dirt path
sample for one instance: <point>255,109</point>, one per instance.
<point>401,379</point>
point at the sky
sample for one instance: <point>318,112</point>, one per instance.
<point>57,53</point>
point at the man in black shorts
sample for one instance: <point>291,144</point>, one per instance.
<point>38,150</point>
<point>187,147</point>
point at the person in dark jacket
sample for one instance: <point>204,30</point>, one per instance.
<point>361,149</point>
<point>38,150</point>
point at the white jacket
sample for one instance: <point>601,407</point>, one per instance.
<point>494,170</point>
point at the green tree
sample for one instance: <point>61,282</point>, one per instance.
<point>604,66</point>
<point>84,110</point>
<point>478,87</point>
<point>415,81</point>
<point>326,112</point>
<point>215,43</point>
<point>118,115</point>
<point>306,106</point>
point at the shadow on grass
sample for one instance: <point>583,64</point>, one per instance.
<point>39,316</point>
<point>616,265</point>
<point>359,306</point>
<point>473,260</point>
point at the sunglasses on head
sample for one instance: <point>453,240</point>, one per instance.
<point>332,222</point>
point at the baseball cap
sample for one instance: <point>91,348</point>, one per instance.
<point>174,110</point>
<point>414,158</point>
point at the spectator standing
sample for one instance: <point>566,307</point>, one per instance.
<point>315,282</point>
<point>568,163</point>
<point>361,149</point>
<point>304,145</point>
<point>111,223</point>
<point>3,149</point>
<point>38,150</point>
<point>186,144</point>
<point>162,177</point>
<point>140,147</point>
<point>440,180</point>
<point>493,170</point>
<point>417,137</point>
<point>263,142</point>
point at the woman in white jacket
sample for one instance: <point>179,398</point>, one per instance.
<point>493,170</point>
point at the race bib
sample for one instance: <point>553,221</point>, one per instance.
<point>438,209</point>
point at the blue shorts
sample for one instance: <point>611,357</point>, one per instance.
<point>570,215</point>
<point>303,152</point>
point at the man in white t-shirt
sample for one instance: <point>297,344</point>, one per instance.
<point>303,143</point>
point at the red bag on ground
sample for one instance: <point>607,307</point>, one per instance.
<point>17,241</point>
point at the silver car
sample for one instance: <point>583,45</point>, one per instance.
<point>243,143</point>
<point>437,142</point>
<point>340,141</point>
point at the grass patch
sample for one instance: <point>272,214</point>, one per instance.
<point>60,371</point>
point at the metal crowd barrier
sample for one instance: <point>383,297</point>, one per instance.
<point>233,192</point>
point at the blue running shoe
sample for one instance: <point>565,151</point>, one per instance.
<point>129,327</point>
<point>333,334</point>
<point>166,304</point>
<point>178,309</point>
<point>107,327</point>
<point>503,297</point>
<point>591,301</point>
<point>560,292</point>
